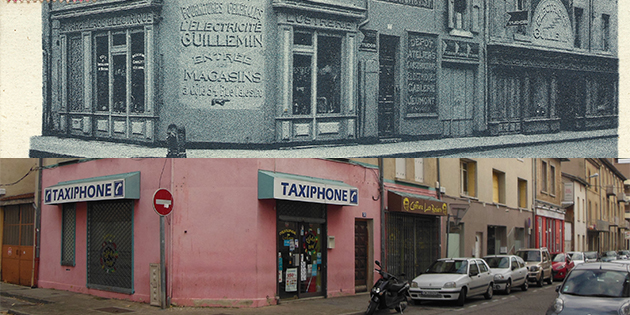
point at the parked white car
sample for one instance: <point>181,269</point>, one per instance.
<point>509,272</point>
<point>577,257</point>
<point>453,279</point>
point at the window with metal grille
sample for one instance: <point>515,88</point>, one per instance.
<point>18,225</point>
<point>68,234</point>
<point>110,246</point>
<point>412,243</point>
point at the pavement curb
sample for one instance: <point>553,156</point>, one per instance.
<point>25,298</point>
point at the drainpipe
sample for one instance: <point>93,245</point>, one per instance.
<point>382,200</point>
<point>532,239</point>
<point>38,222</point>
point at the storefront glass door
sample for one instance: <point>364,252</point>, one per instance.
<point>300,259</point>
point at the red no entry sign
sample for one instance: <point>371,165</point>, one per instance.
<point>163,202</point>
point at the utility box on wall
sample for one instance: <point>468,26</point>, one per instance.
<point>155,285</point>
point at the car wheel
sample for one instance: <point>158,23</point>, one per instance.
<point>488,295</point>
<point>550,281</point>
<point>525,286</point>
<point>462,297</point>
<point>508,287</point>
<point>540,280</point>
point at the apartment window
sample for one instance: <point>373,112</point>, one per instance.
<point>316,73</point>
<point>468,174</point>
<point>457,14</point>
<point>520,5</point>
<point>401,168</point>
<point>543,176</point>
<point>577,210</point>
<point>552,179</point>
<point>68,234</point>
<point>605,32</point>
<point>418,170</point>
<point>498,187</point>
<point>579,16</point>
<point>522,193</point>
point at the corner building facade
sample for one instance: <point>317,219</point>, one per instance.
<point>285,72</point>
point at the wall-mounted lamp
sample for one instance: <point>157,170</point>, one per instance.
<point>594,175</point>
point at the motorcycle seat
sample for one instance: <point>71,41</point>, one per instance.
<point>395,287</point>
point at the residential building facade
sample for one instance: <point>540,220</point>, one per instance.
<point>574,205</point>
<point>491,204</point>
<point>549,214</point>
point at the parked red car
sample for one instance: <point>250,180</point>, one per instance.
<point>561,264</point>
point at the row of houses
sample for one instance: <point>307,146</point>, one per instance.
<point>254,232</point>
<point>288,72</point>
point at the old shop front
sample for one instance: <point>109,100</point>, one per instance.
<point>557,70</point>
<point>242,72</point>
<point>421,70</point>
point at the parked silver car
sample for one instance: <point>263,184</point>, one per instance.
<point>509,271</point>
<point>577,257</point>
<point>594,288</point>
<point>453,279</point>
<point>538,262</point>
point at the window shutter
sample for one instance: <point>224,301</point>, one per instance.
<point>451,13</point>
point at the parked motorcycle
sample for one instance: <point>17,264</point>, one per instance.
<point>388,293</point>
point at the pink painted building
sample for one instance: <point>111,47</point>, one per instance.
<point>242,232</point>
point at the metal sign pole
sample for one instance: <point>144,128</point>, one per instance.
<point>162,266</point>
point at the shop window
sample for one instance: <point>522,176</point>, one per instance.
<point>543,176</point>
<point>468,172</point>
<point>540,96</point>
<point>68,234</point>
<point>522,193</point>
<point>316,73</point>
<point>498,187</point>
<point>418,170</point>
<point>120,63</point>
<point>605,32</point>
<point>579,17</point>
<point>75,74</point>
<point>552,179</point>
<point>110,246</point>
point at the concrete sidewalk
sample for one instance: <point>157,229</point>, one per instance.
<point>69,147</point>
<point>36,301</point>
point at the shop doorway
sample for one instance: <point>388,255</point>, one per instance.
<point>387,96</point>
<point>571,100</point>
<point>458,97</point>
<point>17,247</point>
<point>301,235</point>
<point>361,239</point>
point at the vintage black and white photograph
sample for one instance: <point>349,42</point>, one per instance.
<point>342,78</point>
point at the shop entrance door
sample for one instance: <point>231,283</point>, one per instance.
<point>458,95</point>
<point>17,247</point>
<point>387,87</point>
<point>360,255</point>
<point>300,259</point>
<point>571,101</point>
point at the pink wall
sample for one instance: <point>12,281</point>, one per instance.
<point>221,240</point>
<point>146,226</point>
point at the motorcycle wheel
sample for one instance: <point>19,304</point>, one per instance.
<point>371,308</point>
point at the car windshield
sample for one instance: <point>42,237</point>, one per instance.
<point>529,255</point>
<point>598,282</point>
<point>576,256</point>
<point>559,258</point>
<point>498,262</point>
<point>590,255</point>
<point>449,266</point>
